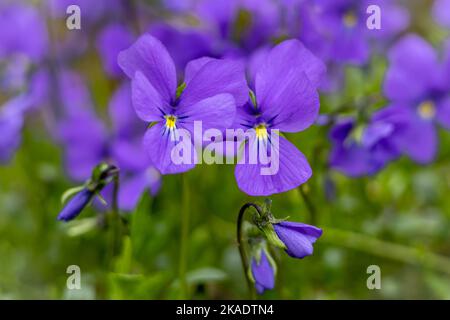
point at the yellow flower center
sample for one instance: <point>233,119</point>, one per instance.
<point>427,110</point>
<point>261,131</point>
<point>171,121</point>
<point>350,20</point>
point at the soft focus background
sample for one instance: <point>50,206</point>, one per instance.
<point>398,219</point>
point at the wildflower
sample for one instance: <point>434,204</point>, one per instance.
<point>441,12</point>
<point>212,90</point>
<point>337,30</point>
<point>417,83</point>
<point>113,39</point>
<point>297,237</point>
<point>262,271</point>
<point>364,149</point>
<point>74,207</point>
<point>286,100</point>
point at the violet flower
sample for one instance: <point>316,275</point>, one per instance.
<point>111,40</point>
<point>418,84</point>
<point>441,12</point>
<point>213,89</point>
<point>136,172</point>
<point>262,272</point>
<point>286,100</point>
<point>297,237</point>
<point>75,205</point>
<point>336,30</point>
<point>365,149</point>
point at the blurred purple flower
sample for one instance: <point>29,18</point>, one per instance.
<point>417,80</point>
<point>286,100</point>
<point>75,205</point>
<point>91,11</point>
<point>263,273</point>
<point>111,40</point>
<point>136,172</point>
<point>297,237</point>
<point>183,43</point>
<point>441,12</point>
<point>16,22</point>
<point>360,150</point>
<point>336,30</point>
<point>213,88</point>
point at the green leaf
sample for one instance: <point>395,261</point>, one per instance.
<point>141,225</point>
<point>207,274</point>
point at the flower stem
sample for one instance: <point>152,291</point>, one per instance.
<point>309,205</point>
<point>185,220</point>
<point>115,221</point>
<point>388,250</point>
<point>241,245</point>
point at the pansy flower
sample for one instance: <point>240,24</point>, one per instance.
<point>418,82</point>
<point>337,30</point>
<point>286,100</point>
<point>212,90</point>
<point>364,149</point>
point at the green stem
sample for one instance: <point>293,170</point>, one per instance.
<point>393,251</point>
<point>185,217</point>
<point>309,205</point>
<point>242,248</point>
<point>115,221</point>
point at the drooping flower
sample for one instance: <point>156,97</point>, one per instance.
<point>75,205</point>
<point>262,272</point>
<point>286,100</point>
<point>418,82</point>
<point>441,12</point>
<point>213,88</point>
<point>297,237</point>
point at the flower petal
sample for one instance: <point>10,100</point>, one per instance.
<point>291,104</point>
<point>146,100</point>
<point>216,112</point>
<point>216,77</point>
<point>413,70</point>
<point>297,237</point>
<point>290,54</point>
<point>263,274</point>
<point>161,145</point>
<point>289,168</point>
<point>149,56</point>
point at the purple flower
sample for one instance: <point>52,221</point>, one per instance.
<point>75,205</point>
<point>11,121</point>
<point>286,100</point>
<point>263,273</point>
<point>136,172</point>
<point>16,21</point>
<point>441,12</point>
<point>336,30</point>
<point>91,11</point>
<point>418,82</point>
<point>364,149</point>
<point>297,237</point>
<point>183,43</point>
<point>213,89</point>
<point>113,39</point>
